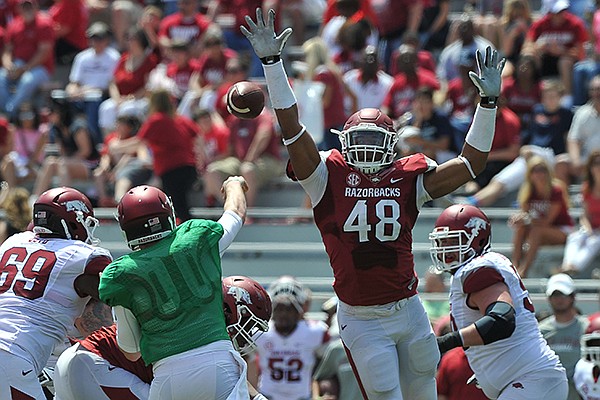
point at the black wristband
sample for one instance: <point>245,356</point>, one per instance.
<point>489,101</point>
<point>270,60</point>
<point>449,341</point>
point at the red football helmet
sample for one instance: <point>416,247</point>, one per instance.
<point>368,140</point>
<point>145,214</point>
<point>247,308</point>
<point>461,232</point>
<point>65,213</point>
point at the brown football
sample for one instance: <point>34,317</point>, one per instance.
<point>245,100</point>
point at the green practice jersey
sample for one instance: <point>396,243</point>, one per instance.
<point>173,288</point>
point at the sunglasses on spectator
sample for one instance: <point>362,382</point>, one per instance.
<point>539,169</point>
<point>211,43</point>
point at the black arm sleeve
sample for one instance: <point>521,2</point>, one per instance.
<point>498,322</point>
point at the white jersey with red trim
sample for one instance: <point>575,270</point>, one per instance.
<point>584,381</point>
<point>38,301</point>
<point>286,363</point>
<point>525,351</point>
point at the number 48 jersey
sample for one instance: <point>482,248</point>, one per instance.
<point>38,300</point>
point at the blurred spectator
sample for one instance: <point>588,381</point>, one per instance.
<point>584,70</point>
<point>235,70</point>
<point>186,25</point>
<point>289,350</point>
<point>584,244</point>
<point>77,156</point>
<point>545,138</point>
<point>543,218</point>
<point>427,130</point>
<point>348,13</point>
<point>21,165</point>
<point>213,140</point>
<point>461,98</point>
<point>563,329</point>
<point>435,25</point>
<point>70,20</point>
<point>181,68</point>
<point>407,81</point>
<point>452,376</point>
<point>254,153</point>
<point>150,24</point>
<point>229,15</point>
<point>173,153</point>
<point>6,137</point>
<point>556,41</point>
<point>521,89</point>
<point>91,74</point>
<point>17,210</point>
<point>352,40</point>
<point>128,87</point>
<point>509,35</point>
<point>368,83</point>
<point>301,15</point>
<point>583,135</point>
<point>505,147</point>
<point>434,283</point>
<point>394,19</point>
<point>122,166</point>
<point>211,66</point>
<point>424,58</point>
<point>334,374</point>
<point>28,58</point>
<point>448,66</point>
<point>124,14</point>
<point>320,68</point>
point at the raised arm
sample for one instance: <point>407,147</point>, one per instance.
<point>303,152</point>
<point>452,174</point>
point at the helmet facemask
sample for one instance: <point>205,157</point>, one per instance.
<point>590,347</point>
<point>368,147</point>
<point>448,257</point>
<point>246,330</point>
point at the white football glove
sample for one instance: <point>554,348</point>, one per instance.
<point>490,73</point>
<point>262,37</point>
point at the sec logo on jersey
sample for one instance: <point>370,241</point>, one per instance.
<point>353,179</point>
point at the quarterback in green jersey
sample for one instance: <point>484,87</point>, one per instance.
<point>167,297</point>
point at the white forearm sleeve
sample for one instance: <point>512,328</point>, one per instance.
<point>232,223</point>
<point>481,131</point>
<point>129,332</point>
<point>280,91</point>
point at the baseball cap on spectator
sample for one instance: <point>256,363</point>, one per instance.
<point>554,6</point>
<point>561,283</point>
<point>98,29</point>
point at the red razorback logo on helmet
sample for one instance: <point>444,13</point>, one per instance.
<point>518,385</point>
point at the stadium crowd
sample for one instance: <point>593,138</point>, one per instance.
<point>107,95</point>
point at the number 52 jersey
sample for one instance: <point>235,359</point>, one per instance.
<point>38,300</point>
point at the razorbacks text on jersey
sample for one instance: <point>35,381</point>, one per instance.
<point>525,351</point>
<point>286,363</point>
<point>366,223</point>
<point>38,300</point>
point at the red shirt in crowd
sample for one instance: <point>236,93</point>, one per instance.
<point>541,206</point>
<point>178,28</point>
<point>171,140</point>
<point>240,8</point>
<point>392,15</point>
<point>570,33</point>
<point>181,74</point>
<point>212,71</point>
<point>463,104</point>
<point>243,132</point>
<point>591,205</point>
<point>25,38</point>
<point>334,114</point>
<point>453,373</point>
<point>424,60</point>
<point>402,92</point>
<point>71,14</point>
<point>129,82</point>
<point>508,129</point>
<point>521,102</point>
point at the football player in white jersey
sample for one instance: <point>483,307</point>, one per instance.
<point>288,351</point>
<point>491,312</point>
<point>46,278</point>
<point>587,370</point>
